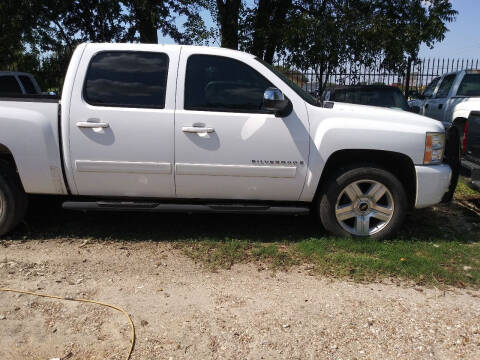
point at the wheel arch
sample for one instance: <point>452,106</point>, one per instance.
<point>458,125</point>
<point>7,156</point>
<point>398,164</point>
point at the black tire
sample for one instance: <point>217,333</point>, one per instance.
<point>452,158</point>
<point>13,200</point>
<point>363,174</point>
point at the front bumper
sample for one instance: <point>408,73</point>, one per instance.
<point>432,183</point>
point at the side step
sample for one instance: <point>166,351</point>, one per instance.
<point>183,208</point>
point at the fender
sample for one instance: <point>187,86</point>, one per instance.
<point>30,133</point>
<point>460,113</point>
<point>358,130</point>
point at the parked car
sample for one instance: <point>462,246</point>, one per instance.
<point>373,95</point>
<point>18,83</point>
<point>146,127</point>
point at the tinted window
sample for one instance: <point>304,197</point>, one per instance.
<point>445,86</point>
<point>373,96</point>
<point>222,84</point>
<point>9,85</point>
<point>130,79</point>
<point>431,88</point>
<point>470,85</point>
<point>27,84</point>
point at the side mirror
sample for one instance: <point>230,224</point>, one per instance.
<point>276,102</point>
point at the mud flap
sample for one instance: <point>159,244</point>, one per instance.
<point>452,158</point>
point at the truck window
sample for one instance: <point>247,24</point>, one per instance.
<point>9,85</point>
<point>470,85</point>
<point>127,79</point>
<point>27,84</point>
<point>216,83</point>
<point>445,86</point>
<point>431,88</point>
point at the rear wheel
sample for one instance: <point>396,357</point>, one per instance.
<point>13,200</point>
<point>363,201</point>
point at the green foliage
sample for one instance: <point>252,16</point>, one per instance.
<point>330,34</point>
<point>39,36</point>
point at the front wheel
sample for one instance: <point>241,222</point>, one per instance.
<point>363,201</point>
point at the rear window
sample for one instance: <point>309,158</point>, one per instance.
<point>27,84</point>
<point>383,97</point>
<point>9,85</point>
<point>470,85</point>
<point>127,79</point>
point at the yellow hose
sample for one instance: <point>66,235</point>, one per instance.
<point>132,327</point>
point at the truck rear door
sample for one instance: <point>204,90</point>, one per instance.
<point>121,121</point>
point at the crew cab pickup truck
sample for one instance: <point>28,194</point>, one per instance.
<point>451,98</point>
<point>179,128</point>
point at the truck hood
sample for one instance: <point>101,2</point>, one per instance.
<point>468,103</point>
<point>390,117</point>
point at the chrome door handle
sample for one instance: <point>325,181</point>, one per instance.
<point>92,125</point>
<point>197,129</point>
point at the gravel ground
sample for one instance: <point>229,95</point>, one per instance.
<point>182,311</point>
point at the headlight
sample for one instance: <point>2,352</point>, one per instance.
<point>434,145</point>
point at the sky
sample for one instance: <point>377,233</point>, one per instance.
<point>461,41</point>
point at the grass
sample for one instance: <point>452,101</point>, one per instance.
<point>438,245</point>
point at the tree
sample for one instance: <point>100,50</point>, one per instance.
<point>265,27</point>
<point>227,14</point>
<point>331,34</point>
<point>147,17</point>
<point>325,34</point>
<point>401,26</point>
<point>17,17</point>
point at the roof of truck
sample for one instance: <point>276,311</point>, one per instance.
<point>213,50</point>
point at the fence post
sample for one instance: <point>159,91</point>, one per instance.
<point>407,80</point>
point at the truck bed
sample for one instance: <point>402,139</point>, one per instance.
<point>31,128</point>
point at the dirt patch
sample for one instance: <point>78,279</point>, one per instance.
<point>183,311</point>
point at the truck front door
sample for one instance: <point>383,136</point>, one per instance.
<point>121,122</point>
<point>226,146</point>
<point>435,106</point>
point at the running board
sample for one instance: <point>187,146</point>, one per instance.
<point>183,208</point>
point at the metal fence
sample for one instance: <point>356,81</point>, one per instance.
<point>420,74</point>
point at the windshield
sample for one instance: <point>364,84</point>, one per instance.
<point>302,93</point>
<point>375,96</point>
<point>470,85</point>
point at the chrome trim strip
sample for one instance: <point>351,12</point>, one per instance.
<point>123,167</point>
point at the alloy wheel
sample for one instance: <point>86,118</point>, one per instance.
<point>364,207</point>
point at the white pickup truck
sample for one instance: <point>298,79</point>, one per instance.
<point>451,98</point>
<point>178,128</point>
